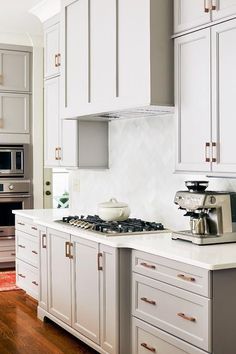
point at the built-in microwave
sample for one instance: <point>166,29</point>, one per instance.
<point>12,160</point>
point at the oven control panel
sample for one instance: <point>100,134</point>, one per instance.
<point>15,187</point>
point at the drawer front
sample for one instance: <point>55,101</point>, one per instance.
<point>27,278</point>
<point>25,225</point>
<point>7,255</point>
<point>184,276</point>
<point>174,310</point>
<point>27,248</point>
<point>148,339</point>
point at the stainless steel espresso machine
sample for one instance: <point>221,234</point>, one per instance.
<point>212,214</point>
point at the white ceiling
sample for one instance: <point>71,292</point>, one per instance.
<point>15,18</point>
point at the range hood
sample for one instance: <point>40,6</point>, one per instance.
<point>132,76</point>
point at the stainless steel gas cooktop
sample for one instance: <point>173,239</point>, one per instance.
<point>112,228</point>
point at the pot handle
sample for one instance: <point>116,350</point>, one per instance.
<point>113,200</point>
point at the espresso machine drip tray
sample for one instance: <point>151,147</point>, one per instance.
<point>204,239</point>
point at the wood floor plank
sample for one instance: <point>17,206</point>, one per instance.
<point>22,333</point>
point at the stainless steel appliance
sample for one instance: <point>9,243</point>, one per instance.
<point>12,160</point>
<point>112,228</point>
<point>13,195</point>
<point>212,216</point>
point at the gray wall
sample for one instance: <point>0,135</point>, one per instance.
<point>141,173</point>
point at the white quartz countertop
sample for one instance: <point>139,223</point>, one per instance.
<point>212,257</point>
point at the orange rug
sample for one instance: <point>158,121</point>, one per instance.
<point>8,280</point>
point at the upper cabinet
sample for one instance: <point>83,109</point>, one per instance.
<point>191,14</point>
<point>107,60</point>
<point>205,96</point>
<point>52,54</point>
<point>14,70</point>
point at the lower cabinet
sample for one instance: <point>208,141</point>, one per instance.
<point>79,287</point>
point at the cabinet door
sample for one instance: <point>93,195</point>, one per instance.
<point>43,269</point>
<point>69,143</point>
<point>109,302</point>
<point>52,51</point>
<point>85,289</point>
<point>51,122</point>
<point>193,97</point>
<point>59,275</point>
<point>223,8</point>
<point>190,14</point>
<point>224,93</point>
<point>14,71</point>
<point>75,59</point>
<point>14,113</point>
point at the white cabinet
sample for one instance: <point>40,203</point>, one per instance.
<point>190,14</point>
<point>106,55</point>
<point>193,101</point>
<point>27,255</point>
<point>223,97</point>
<point>52,50</point>
<point>205,91</point>
<point>85,288</point>
<point>14,70</point>
<point>59,275</point>
<point>14,113</point>
<point>43,268</point>
<point>223,8</point>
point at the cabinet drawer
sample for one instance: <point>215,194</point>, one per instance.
<point>187,277</point>
<point>148,339</point>
<point>174,310</point>
<point>27,248</point>
<point>25,225</point>
<point>7,255</point>
<point>27,278</point>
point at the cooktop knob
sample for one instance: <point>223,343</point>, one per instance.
<point>11,187</point>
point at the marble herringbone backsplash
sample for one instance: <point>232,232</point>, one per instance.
<point>141,173</point>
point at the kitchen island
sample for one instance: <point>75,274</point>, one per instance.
<point>182,294</point>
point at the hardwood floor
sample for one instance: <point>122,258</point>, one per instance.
<point>22,333</point>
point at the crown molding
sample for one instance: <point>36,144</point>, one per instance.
<point>46,9</point>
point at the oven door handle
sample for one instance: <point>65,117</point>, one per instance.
<point>7,238</point>
<point>14,195</point>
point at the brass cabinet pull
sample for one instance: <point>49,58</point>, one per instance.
<point>21,275</point>
<point>99,256</point>
<point>67,249</point>
<point>13,254</point>
<point>146,346</point>
<point>151,302</point>
<point>214,152</point>
<point>56,153</point>
<point>44,245</point>
<point>34,252</point>
<point>21,246</point>
<point>206,8</point>
<point>213,5</point>
<point>186,277</point>
<point>59,59</point>
<point>207,154</point>
<point>21,223</point>
<point>35,283</point>
<point>34,228</point>
<point>55,60</point>
<point>146,265</point>
<point>70,252</point>
<point>188,318</point>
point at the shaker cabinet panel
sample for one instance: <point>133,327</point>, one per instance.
<point>190,14</point>
<point>85,289</point>
<point>223,96</point>
<point>193,101</point>
<point>59,276</point>
<point>14,113</point>
<point>51,121</point>
<point>14,71</point>
<point>52,51</point>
